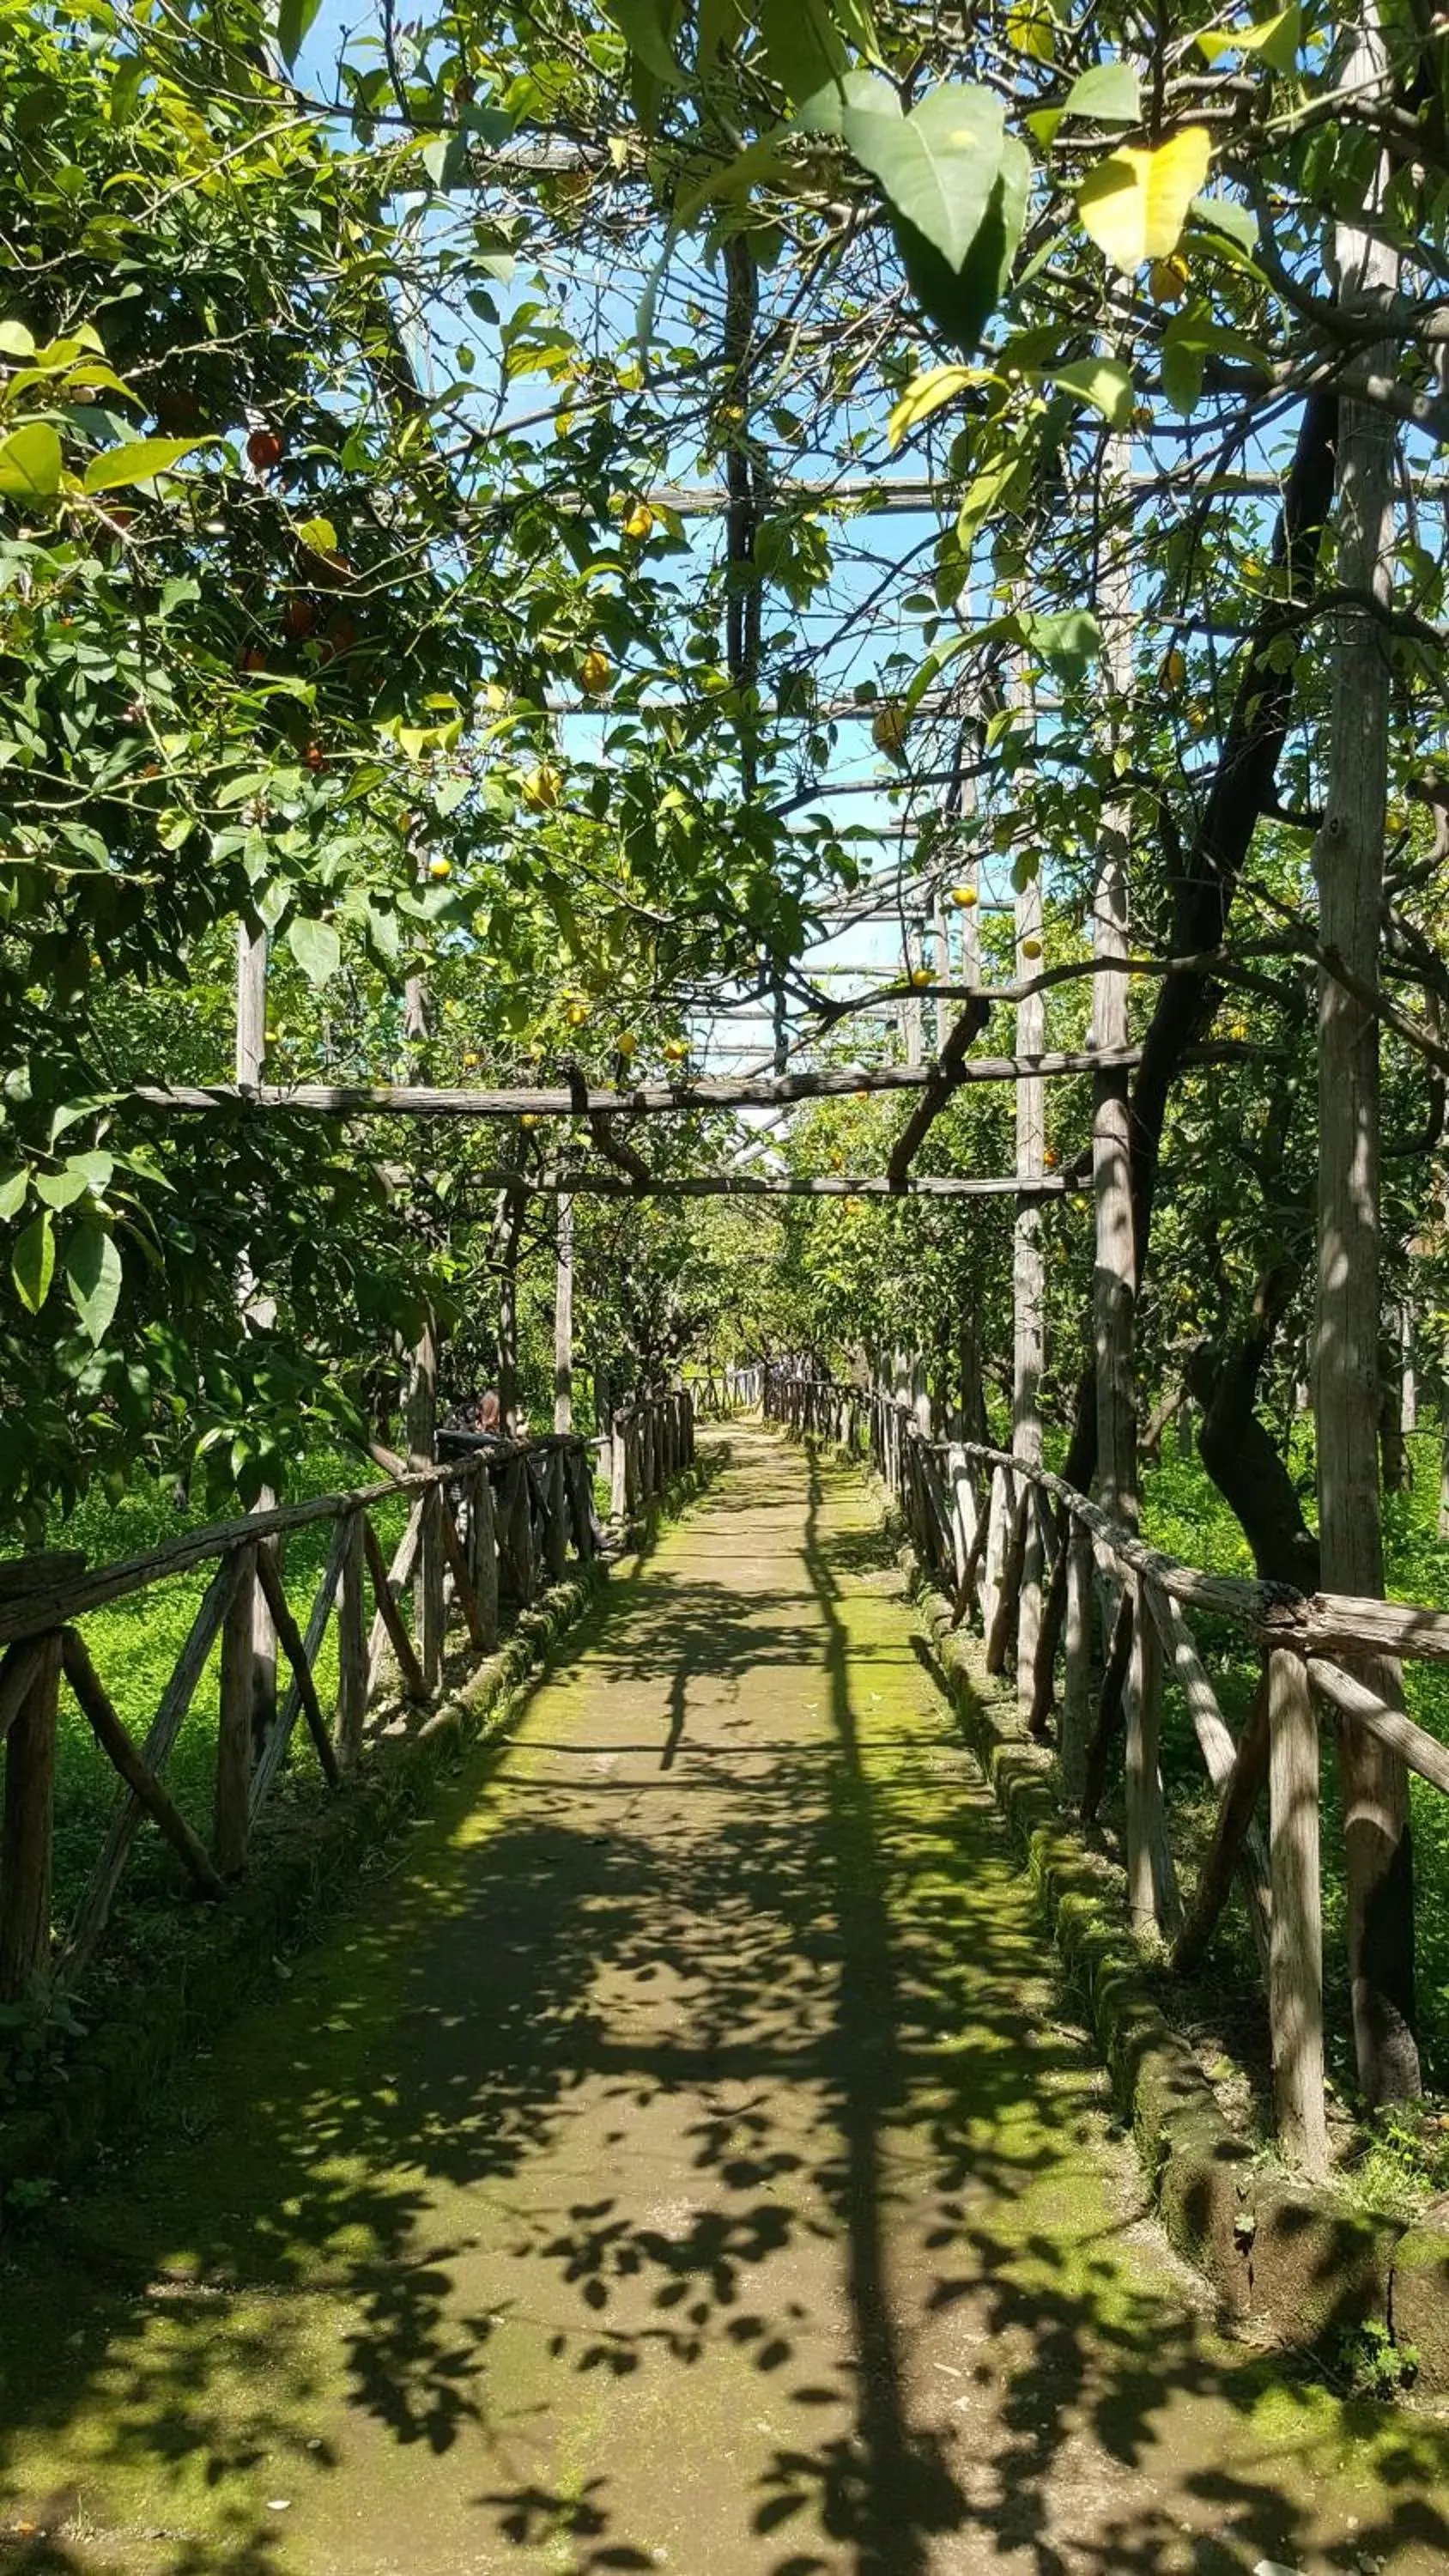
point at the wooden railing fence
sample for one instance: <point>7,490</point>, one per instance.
<point>732,1390</point>
<point>486,1528</point>
<point>653,1439</point>
<point>1111,1613</point>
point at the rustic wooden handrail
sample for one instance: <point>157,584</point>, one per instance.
<point>967,1506</point>
<point>458,1531</point>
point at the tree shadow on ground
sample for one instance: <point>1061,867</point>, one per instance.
<point>680,2149</point>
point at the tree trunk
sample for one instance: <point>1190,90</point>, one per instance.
<point>1238,1451</point>
<point>1349,866</point>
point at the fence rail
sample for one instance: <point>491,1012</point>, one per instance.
<point>487,1527</point>
<point>1056,1584</point>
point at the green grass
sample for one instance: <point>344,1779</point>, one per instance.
<point>134,1645</point>
<point>1183,1513</point>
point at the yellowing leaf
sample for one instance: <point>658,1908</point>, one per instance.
<point>1135,203</point>
<point>1031,30</point>
<point>1276,39</point>
<point>925,394</point>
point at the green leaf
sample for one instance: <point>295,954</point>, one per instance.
<point>30,463</point>
<point>1224,215</point>
<point>316,947</point>
<point>644,26</point>
<point>97,1169</point>
<point>961,301</point>
<point>12,1192</point>
<point>294,18</point>
<point>93,1277</point>
<point>1104,383</point>
<point>938,165</point>
<point>32,1264</point>
<point>137,460</point>
<point>61,1189</point>
<point>16,341</point>
<point>1067,640</point>
<point>318,535</point>
<point>1109,93</point>
<point>804,53</point>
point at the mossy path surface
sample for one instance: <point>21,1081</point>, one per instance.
<point>679,2156</point>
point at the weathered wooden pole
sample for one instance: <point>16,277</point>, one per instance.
<point>563,1320</point>
<point>28,1834</point>
<point>251,1054</point>
<point>1114,1271</point>
<point>1028,1263</point>
<point>422,1440</point>
<point>1348,860</point>
<point>1295,1941</point>
<point>508,1229</point>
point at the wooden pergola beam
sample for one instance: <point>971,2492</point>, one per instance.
<point>745,1091</point>
<point>789,1185</point>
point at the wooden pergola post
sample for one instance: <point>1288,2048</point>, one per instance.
<point>563,1320</point>
<point>1295,1951</point>
<point>1028,1264</point>
<point>422,1439</point>
<point>251,1054</point>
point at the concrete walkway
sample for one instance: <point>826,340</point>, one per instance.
<point>680,2156</point>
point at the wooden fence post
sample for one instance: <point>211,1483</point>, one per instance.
<point>1144,1726</point>
<point>429,1614</point>
<point>483,1540</point>
<point>232,1810</point>
<point>1077,1679</point>
<point>556,1524</point>
<point>1295,1957</point>
<point>352,1656</point>
<point>618,1470</point>
<point>28,1835</point>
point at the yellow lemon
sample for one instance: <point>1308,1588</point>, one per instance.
<point>576,1014</point>
<point>921,978</point>
<point>1031,948</point>
<point>627,1043</point>
<point>965,896</point>
<point>1174,669</point>
<point>440,870</point>
<point>890,729</point>
<point>530,1118</point>
<point>597,673</point>
<point>639,522</point>
<point>542,788</point>
<point>1167,280</point>
<point>676,1050</point>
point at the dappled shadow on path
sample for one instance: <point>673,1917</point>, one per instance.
<point>679,2159</point>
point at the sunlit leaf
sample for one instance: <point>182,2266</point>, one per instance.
<point>1109,93</point>
<point>32,1263</point>
<point>30,463</point>
<point>1104,383</point>
<point>137,460</point>
<point>93,1276</point>
<point>1135,203</point>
